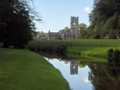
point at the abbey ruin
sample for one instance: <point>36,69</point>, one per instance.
<point>72,33</point>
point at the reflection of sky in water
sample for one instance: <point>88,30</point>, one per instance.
<point>77,81</point>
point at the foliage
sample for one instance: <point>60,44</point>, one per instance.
<point>66,29</point>
<point>83,48</point>
<point>15,23</point>
<point>105,17</point>
<point>83,30</point>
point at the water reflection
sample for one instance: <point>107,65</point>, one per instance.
<point>74,73</point>
<point>105,76</point>
<point>88,76</point>
<point>73,68</point>
<point>73,65</point>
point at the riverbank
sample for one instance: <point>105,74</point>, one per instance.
<point>25,70</point>
<point>88,49</point>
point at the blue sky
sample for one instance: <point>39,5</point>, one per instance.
<point>56,14</point>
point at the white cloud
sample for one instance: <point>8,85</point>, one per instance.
<point>88,10</point>
<point>85,80</point>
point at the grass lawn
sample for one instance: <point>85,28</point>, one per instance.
<point>87,49</point>
<point>91,48</point>
<point>25,70</point>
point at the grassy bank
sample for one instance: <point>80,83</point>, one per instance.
<point>25,70</point>
<point>88,49</point>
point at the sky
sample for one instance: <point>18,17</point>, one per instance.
<point>56,14</point>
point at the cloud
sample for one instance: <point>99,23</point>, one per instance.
<point>88,10</point>
<point>86,80</point>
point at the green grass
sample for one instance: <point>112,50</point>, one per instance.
<point>87,49</point>
<point>25,70</point>
<point>92,48</point>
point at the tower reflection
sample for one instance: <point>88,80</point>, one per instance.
<point>73,67</point>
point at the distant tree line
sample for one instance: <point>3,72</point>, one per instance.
<point>16,24</point>
<point>105,19</point>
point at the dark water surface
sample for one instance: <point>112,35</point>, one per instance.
<point>88,76</point>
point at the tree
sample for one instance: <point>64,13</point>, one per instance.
<point>104,13</point>
<point>66,29</point>
<point>83,30</point>
<point>19,25</point>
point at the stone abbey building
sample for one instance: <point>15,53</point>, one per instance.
<point>72,33</point>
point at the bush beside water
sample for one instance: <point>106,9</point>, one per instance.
<point>83,48</point>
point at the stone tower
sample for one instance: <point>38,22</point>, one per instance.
<point>74,21</point>
<point>75,33</point>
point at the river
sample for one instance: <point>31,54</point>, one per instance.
<point>87,76</point>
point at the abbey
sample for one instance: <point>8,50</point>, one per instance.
<point>70,33</point>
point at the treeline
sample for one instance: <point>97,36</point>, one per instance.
<point>105,19</point>
<point>16,24</point>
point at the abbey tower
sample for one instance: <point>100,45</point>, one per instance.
<point>74,27</point>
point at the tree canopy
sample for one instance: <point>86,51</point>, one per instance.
<point>105,17</point>
<point>16,24</point>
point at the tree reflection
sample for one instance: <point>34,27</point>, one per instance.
<point>105,76</point>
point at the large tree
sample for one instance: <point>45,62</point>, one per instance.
<point>16,23</point>
<point>105,17</point>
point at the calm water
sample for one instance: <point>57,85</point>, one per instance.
<point>88,76</point>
